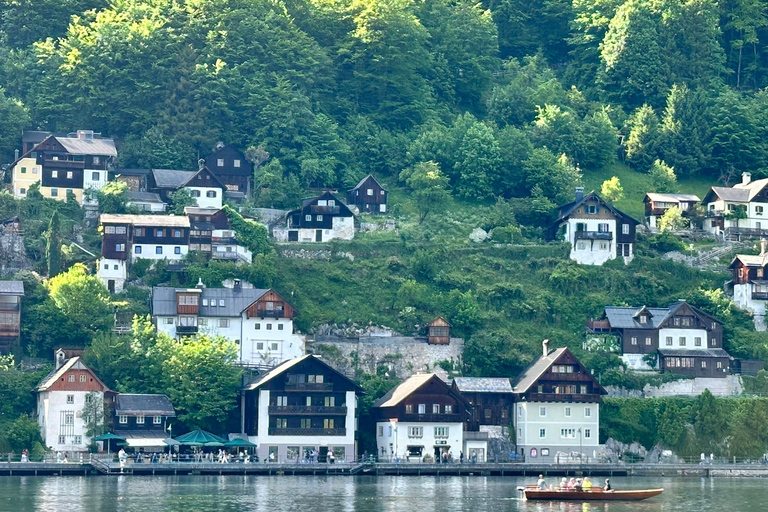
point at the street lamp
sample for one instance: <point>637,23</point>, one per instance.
<point>170,430</point>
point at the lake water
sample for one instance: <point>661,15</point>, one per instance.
<point>358,494</point>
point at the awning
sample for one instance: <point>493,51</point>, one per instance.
<point>145,442</point>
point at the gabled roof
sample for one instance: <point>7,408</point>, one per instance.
<point>671,198</point>
<point>171,178</point>
<point>750,260</point>
<point>403,390</point>
<point>74,363</point>
<point>144,197</point>
<point>34,136</point>
<point>627,317</point>
<point>482,385</point>
<point>12,288</point>
<point>439,322</point>
<point>728,194</point>
<point>81,146</point>
<point>344,211</point>
<point>205,169</point>
<point>567,209</point>
<point>127,404</point>
<point>536,369</point>
<point>287,365</point>
<point>362,181</point>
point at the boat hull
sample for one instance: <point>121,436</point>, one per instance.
<point>596,495</point>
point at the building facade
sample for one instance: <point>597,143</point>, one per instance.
<point>749,281</point>
<point>302,410</point>
<point>656,205</point>
<point>65,165</point>
<point>203,185</point>
<point>320,219</point>
<point>62,396</point>
<point>655,338</point>
<point>210,234</point>
<point>492,401</point>
<point>232,169</point>
<point>369,196</point>
<point>596,231</point>
<point>11,293</point>
<point>143,420</point>
<point>557,409</point>
<point>258,320</point>
<point>423,418</point>
<point>740,210</point>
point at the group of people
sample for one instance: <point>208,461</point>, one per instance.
<point>574,484</point>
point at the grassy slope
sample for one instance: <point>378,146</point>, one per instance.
<point>636,184</point>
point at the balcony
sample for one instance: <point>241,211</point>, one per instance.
<point>270,313</point>
<point>559,397</point>
<point>324,209</point>
<point>594,235</point>
<point>63,164</point>
<point>307,431</point>
<point>186,329</point>
<point>759,295</point>
<point>304,410</point>
<point>433,418</point>
<point>224,240</point>
<point>309,386</point>
<point>9,330</point>
<point>715,213</point>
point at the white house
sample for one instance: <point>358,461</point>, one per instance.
<point>596,231</point>
<point>320,219</point>
<point>423,418</point>
<point>302,410</point>
<point>557,409</point>
<point>741,209</point>
<point>146,201</point>
<point>260,321</point>
<point>203,185</point>
<point>61,397</point>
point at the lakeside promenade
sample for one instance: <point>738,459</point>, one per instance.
<point>97,467</point>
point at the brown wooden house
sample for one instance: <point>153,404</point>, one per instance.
<point>439,331</point>
<point>369,196</point>
<point>11,293</point>
<point>492,400</point>
<point>232,168</point>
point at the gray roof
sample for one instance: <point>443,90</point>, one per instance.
<point>287,365</point>
<point>567,209</point>
<point>482,385</point>
<point>171,221</point>
<point>626,317</point>
<point>751,260</point>
<point>732,194</point>
<point>360,183</point>
<point>143,405</point>
<point>12,288</point>
<point>531,374</point>
<point>704,352</point>
<point>164,301</point>
<point>78,146</point>
<point>144,197</point>
<point>172,178</point>
<point>672,198</point>
<point>34,136</point>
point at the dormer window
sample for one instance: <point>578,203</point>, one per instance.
<point>643,319</point>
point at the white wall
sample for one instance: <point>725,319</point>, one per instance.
<point>116,270</point>
<point>591,252</point>
<point>50,405</point>
<point>151,207</point>
<point>688,334</point>
<point>395,439</point>
<point>742,296</point>
<point>148,251</point>
<point>343,228</point>
<point>529,422</point>
<point>90,182</point>
<point>204,201</point>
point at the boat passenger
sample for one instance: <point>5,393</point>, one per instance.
<point>541,484</point>
<point>586,484</point>
<point>563,484</point>
<point>607,486</point>
<point>571,484</point>
<point>578,485</point>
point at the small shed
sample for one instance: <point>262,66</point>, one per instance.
<point>439,332</point>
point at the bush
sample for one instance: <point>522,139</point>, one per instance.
<point>665,242</point>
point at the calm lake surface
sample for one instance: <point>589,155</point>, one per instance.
<point>364,493</point>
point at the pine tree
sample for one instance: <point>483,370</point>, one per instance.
<point>53,245</point>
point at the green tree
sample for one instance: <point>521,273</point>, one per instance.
<point>709,423</point>
<point>684,130</point>
<point>611,190</point>
<point>82,298</point>
<point>13,118</point>
<point>154,149</point>
<point>429,187</point>
<point>554,176</point>
<point>113,197</point>
<point>95,415</point>
<point>663,177</point>
<point>672,220</point>
<point>250,233</point>
<point>180,199</point>
<point>643,138</point>
<point>478,163</point>
<point>23,433</point>
<point>53,245</point>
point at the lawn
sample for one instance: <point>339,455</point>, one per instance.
<point>636,184</point>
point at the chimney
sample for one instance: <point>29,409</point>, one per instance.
<point>15,154</point>
<point>746,177</point>
<point>545,347</point>
<point>200,284</point>
<point>579,193</point>
<point>201,163</point>
<point>60,357</point>
<point>763,246</point>
<point>238,286</point>
<point>85,134</point>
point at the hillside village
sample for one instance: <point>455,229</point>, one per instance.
<point>431,399</point>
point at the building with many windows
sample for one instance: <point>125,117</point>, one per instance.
<point>320,219</point>
<point>423,418</point>
<point>62,396</point>
<point>232,168</point>
<point>302,410</point>
<point>259,320</point>
<point>557,409</point>
<point>143,420</point>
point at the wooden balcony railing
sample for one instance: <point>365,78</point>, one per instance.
<point>560,397</point>
<point>309,386</point>
<point>304,410</point>
<point>594,235</point>
<point>760,295</point>
<point>307,431</point>
<point>434,418</point>
<point>186,329</point>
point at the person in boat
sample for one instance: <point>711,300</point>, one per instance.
<point>563,484</point>
<point>586,484</point>
<point>607,486</point>
<point>579,484</point>
<point>571,485</point>
<point>542,484</point>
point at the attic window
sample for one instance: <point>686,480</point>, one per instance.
<point>643,319</point>
<point>236,163</point>
<point>221,303</point>
<point>590,208</point>
<point>220,162</point>
<point>331,202</point>
<point>322,202</point>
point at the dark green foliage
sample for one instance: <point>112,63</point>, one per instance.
<point>53,245</point>
<point>251,234</point>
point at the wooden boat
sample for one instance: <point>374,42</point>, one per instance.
<point>532,492</point>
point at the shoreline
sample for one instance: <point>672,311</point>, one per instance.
<point>101,468</point>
